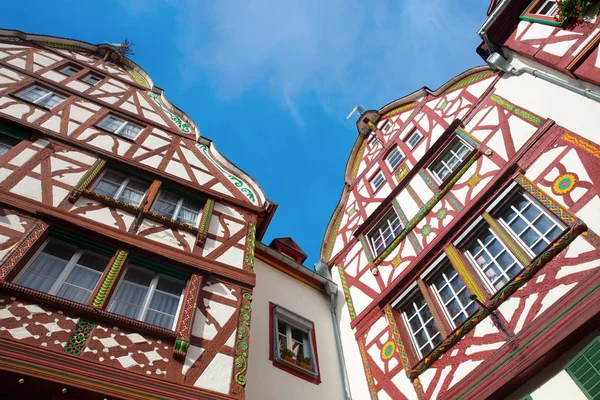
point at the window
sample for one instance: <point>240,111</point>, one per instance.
<point>64,270</point>
<point>41,96</point>
<point>377,180</point>
<point>120,127</point>
<point>7,143</point>
<point>414,139</point>
<point>293,340</point>
<point>92,79</point>
<point>453,294</point>
<point>148,296</point>
<point>178,208</point>
<point>70,70</point>
<point>374,142</point>
<point>120,187</point>
<point>423,331</point>
<point>584,369</point>
<point>548,8</point>
<point>530,222</point>
<point>384,233</point>
<point>450,159</point>
<point>491,257</point>
<point>394,158</point>
<point>386,127</point>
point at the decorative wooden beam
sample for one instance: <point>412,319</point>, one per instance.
<point>188,313</point>
<point>109,278</point>
<point>86,179</point>
<point>241,344</point>
<point>20,249</point>
<point>205,221</point>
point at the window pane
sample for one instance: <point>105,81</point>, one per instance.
<point>454,294</point>
<point>421,325</point>
<point>132,293</point>
<point>529,222</point>
<point>33,93</point>
<point>130,131</point>
<point>394,158</point>
<point>133,192</point>
<point>414,139</point>
<point>111,123</point>
<point>451,158</point>
<point>69,70</point>
<point>385,232</point>
<point>91,79</point>
<point>7,143</point>
<point>50,101</point>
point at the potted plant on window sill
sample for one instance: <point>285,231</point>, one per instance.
<point>575,12</point>
<point>304,362</point>
<point>288,355</point>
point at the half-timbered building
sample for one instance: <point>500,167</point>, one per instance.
<point>466,237</point>
<point>126,238</point>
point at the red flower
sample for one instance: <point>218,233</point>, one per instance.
<point>578,7</point>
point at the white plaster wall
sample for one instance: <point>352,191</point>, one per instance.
<point>266,382</point>
<point>569,109</point>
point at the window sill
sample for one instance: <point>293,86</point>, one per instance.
<point>540,19</point>
<point>297,371</point>
<point>88,311</point>
<point>110,201</point>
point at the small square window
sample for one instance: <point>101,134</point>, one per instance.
<point>423,330</point>
<point>529,222</point>
<point>450,159</point>
<point>178,208</point>
<point>70,70</point>
<point>414,139</point>
<point>64,270</point>
<point>386,128</point>
<point>121,187</point>
<point>384,233</point>
<point>41,96</point>
<point>293,341</point>
<point>394,158</point>
<point>148,296</point>
<point>377,180</point>
<point>92,79</point>
<point>374,142</point>
<point>120,127</point>
<point>549,8</point>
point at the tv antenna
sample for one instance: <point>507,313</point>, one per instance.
<point>357,109</point>
<point>125,48</point>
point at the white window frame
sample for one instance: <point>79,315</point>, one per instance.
<point>397,150</point>
<point>83,79</point>
<point>374,141</point>
<point>71,68</point>
<point>477,232</point>
<point>382,226</point>
<point>533,203</point>
<point>60,280</point>
<point>415,133</point>
<point>410,302</point>
<point>150,294</point>
<point>123,185</point>
<point>177,207</point>
<point>440,267</point>
<point>378,177</point>
<point>439,158</point>
<point>386,127</point>
<point>124,123</point>
<point>302,324</point>
<point>552,11</point>
<point>43,97</point>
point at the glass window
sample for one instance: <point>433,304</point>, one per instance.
<point>374,142</point>
<point>491,257</point>
<point>394,158</point>
<point>91,79</point>
<point>120,127</point>
<point>385,232</point>
<point>386,127</point>
<point>453,294</point>
<point>529,222</point>
<point>70,70</point>
<point>293,335</point>
<point>178,208</point>
<point>414,139</point>
<point>548,8</point>
<point>421,326</point>
<point>64,270</point>
<point>377,180</point>
<point>7,143</point>
<point>120,187</point>
<point>148,296</point>
<point>450,159</point>
<point>41,96</point>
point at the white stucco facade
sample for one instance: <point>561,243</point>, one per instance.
<point>265,381</point>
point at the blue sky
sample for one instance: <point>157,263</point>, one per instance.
<point>271,82</point>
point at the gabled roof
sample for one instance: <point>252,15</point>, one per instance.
<point>288,247</point>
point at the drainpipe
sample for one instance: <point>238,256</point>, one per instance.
<point>332,291</point>
<point>482,32</point>
<point>497,62</point>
